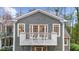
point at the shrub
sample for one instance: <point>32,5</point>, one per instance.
<point>74,47</point>
<point>6,49</point>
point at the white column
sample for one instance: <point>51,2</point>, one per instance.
<point>63,35</point>
<point>14,37</point>
<point>0,43</point>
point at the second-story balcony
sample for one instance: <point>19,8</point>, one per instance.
<point>38,39</point>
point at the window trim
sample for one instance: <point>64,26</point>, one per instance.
<point>18,28</point>
<point>53,29</point>
<point>66,41</point>
<point>38,27</point>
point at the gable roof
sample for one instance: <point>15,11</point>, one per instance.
<point>43,12</point>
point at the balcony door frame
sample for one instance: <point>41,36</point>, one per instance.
<point>42,48</point>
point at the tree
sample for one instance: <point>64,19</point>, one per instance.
<point>77,9</point>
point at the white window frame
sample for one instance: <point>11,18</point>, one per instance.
<point>38,27</point>
<point>66,41</point>
<point>18,28</point>
<point>53,29</point>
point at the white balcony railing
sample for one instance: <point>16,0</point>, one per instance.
<point>38,38</point>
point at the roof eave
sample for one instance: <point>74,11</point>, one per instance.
<point>44,12</point>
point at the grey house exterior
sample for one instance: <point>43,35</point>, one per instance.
<point>38,32</point>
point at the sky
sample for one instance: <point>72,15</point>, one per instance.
<point>25,9</point>
<point>14,10</point>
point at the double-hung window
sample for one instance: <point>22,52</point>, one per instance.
<point>21,28</point>
<point>56,28</point>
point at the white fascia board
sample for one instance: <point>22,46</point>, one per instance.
<point>41,11</point>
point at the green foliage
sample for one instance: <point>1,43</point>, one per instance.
<point>72,40</point>
<point>6,49</point>
<point>74,47</point>
<point>74,35</point>
<point>2,34</point>
<point>68,28</point>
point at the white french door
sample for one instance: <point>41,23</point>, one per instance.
<point>38,31</point>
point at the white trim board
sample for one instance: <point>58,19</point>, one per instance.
<point>18,28</point>
<point>14,32</point>
<point>44,12</point>
<point>53,28</point>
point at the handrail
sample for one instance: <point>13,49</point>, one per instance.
<point>38,38</point>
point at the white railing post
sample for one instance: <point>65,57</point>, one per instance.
<point>44,38</point>
<point>54,38</point>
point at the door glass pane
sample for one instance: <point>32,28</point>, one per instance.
<point>38,49</point>
<point>35,28</point>
<point>56,29</point>
<point>41,28</point>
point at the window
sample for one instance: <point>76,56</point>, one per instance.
<point>21,28</point>
<point>66,42</point>
<point>42,29</point>
<point>39,48</point>
<point>35,28</point>
<point>38,28</point>
<point>56,28</point>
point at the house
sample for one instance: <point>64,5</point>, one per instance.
<point>6,27</point>
<point>39,30</point>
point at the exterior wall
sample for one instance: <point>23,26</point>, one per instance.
<point>38,18</point>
